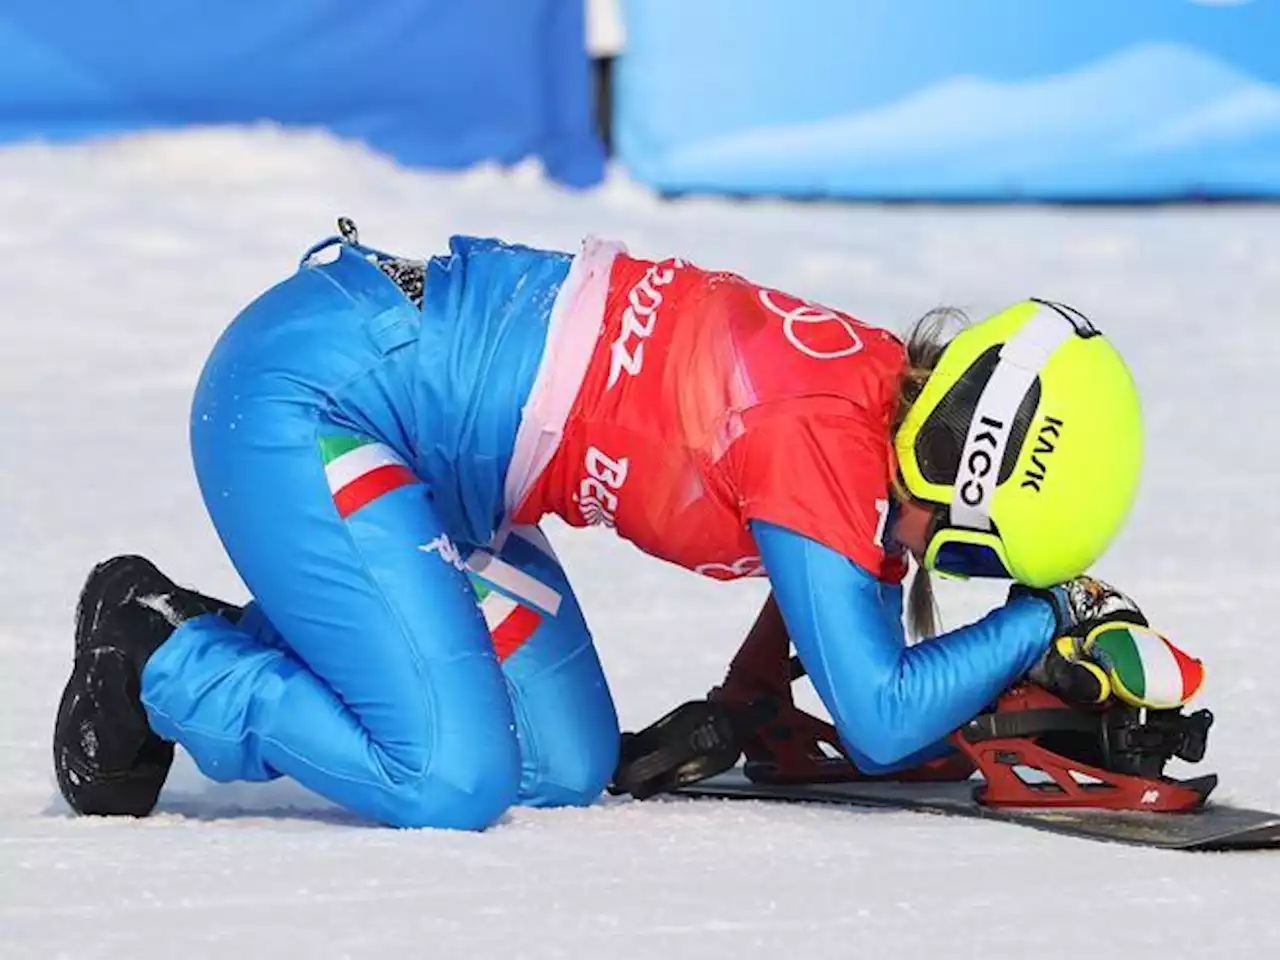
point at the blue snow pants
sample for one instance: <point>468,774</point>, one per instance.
<point>365,668</point>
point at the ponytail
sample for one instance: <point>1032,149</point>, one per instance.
<point>922,608</point>
<point>924,345</point>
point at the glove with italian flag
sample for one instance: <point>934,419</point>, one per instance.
<point>1104,647</point>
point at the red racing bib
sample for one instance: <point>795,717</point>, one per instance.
<point>710,401</point>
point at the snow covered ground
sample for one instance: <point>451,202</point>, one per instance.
<point>120,263</point>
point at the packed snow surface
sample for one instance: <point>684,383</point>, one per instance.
<point>120,263</point>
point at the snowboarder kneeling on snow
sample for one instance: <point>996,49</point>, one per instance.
<point>376,440</point>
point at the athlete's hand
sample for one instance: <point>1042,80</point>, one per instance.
<point>1082,604</point>
<point>1105,648</point>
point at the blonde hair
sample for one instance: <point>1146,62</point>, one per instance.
<point>925,341</point>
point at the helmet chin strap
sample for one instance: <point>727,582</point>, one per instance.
<point>1021,360</point>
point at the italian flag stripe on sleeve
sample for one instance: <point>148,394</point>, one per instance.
<point>360,470</point>
<point>510,624</point>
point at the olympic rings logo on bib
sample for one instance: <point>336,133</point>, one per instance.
<point>801,313</point>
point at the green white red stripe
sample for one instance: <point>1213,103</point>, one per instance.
<point>1151,670</point>
<point>361,470</point>
<point>510,623</point>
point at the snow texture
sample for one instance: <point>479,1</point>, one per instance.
<point>120,263</point>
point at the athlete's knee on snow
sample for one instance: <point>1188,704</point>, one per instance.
<point>443,803</point>
<point>456,764</point>
<point>573,770</point>
<point>566,721</point>
<point>466,788</point>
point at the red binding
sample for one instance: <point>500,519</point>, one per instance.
<point>1001,760</point>
<point>784,744</point>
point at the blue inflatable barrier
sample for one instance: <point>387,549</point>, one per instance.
<point>936,99</point>
<point>431,82</point>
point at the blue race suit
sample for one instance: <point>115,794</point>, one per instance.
<point>366,669</point>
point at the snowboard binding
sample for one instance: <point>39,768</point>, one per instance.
<point>1031,748</point>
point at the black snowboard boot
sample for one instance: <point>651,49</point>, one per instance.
<point>106,757</point>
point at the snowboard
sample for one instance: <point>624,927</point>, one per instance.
<point>1214,826</point>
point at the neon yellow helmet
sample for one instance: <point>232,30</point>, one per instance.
<point>1027,437</point>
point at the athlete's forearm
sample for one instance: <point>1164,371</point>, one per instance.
<point>890,701</point>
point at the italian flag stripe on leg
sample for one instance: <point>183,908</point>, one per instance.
<point>360,470</point>
<point>510,624</point>
<point>514,630</point>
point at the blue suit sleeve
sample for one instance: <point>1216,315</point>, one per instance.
<point>891,613</point>
<point>891,703</point>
